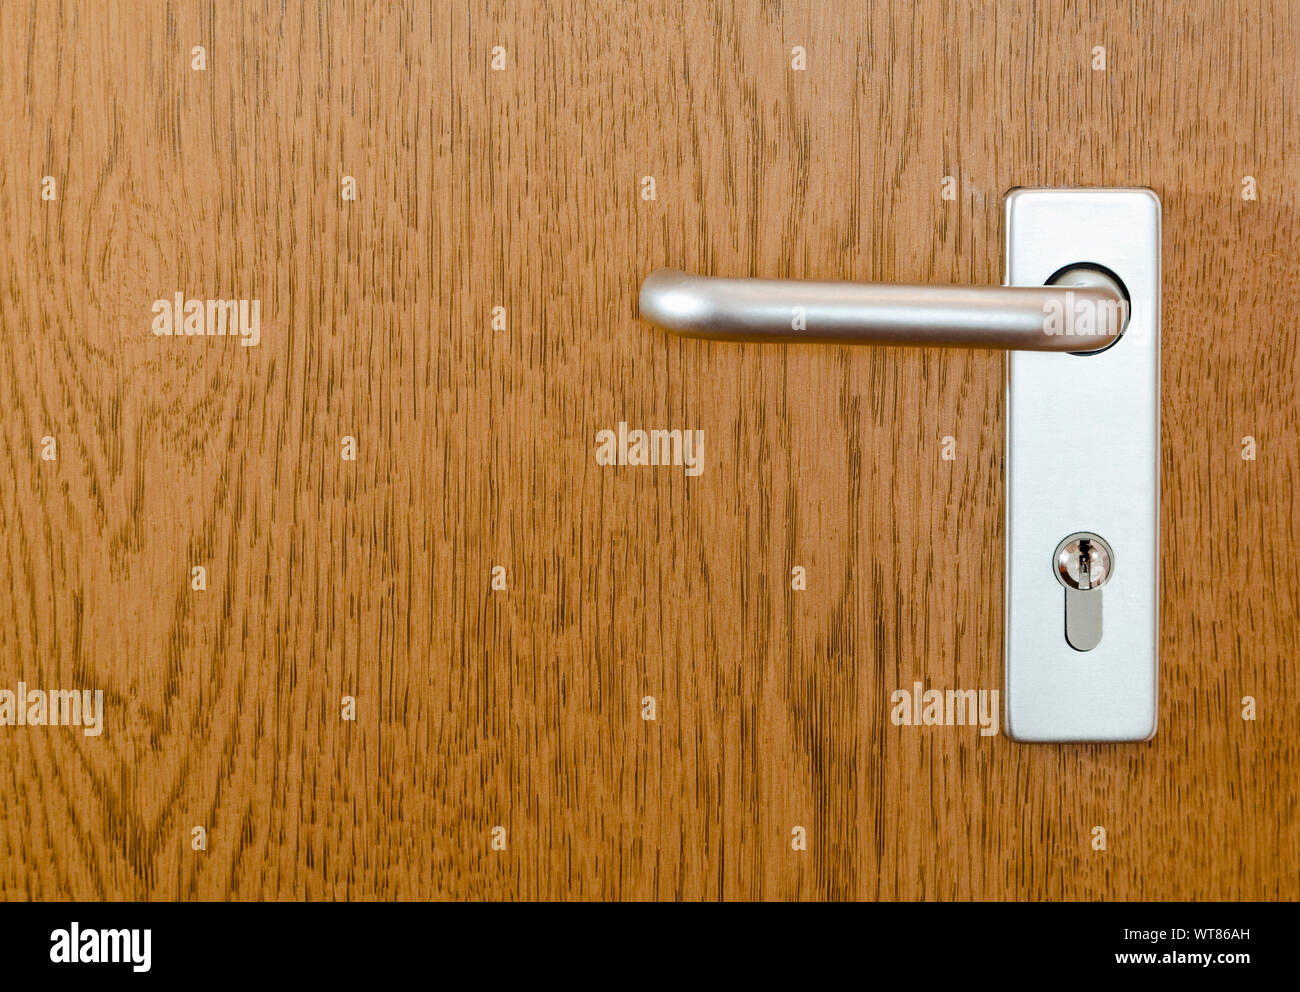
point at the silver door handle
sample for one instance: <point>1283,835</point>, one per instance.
<point>1082,460</point>
<point>1020,318</point>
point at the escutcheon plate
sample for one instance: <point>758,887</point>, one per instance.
<point>1083,454</point>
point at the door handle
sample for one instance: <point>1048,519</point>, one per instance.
<point>792,311</point>
<point>1080,318</point>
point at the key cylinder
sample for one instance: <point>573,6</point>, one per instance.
<point>1082,563</point>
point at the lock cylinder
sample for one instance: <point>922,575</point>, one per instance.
<point>1083,563</point>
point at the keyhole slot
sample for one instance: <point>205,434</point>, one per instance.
<point>1083,563</point>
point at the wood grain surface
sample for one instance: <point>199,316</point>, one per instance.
<point>372,578</point>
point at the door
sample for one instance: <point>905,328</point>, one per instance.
<point>372,613</point>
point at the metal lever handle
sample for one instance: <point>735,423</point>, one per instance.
<point>1007,317</point>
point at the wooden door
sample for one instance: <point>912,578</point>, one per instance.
<point>498,606</point>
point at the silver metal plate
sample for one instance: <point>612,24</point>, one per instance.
<point>1083,454</point>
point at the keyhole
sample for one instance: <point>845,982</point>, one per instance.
<point>1083,576</point>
